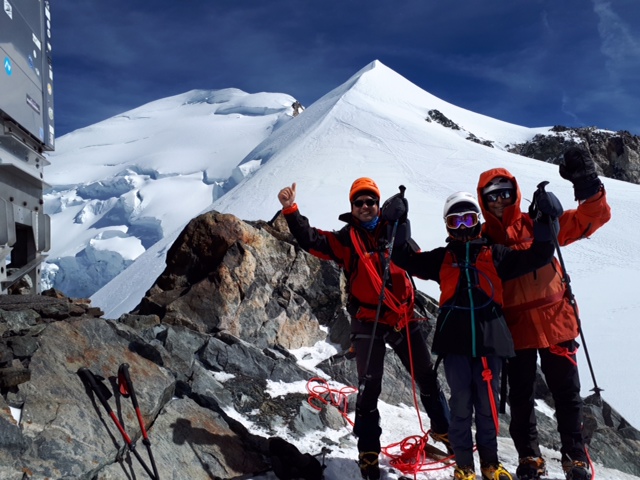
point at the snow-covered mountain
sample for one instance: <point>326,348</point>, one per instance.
<point>121,185</point>
<point>129,184</point>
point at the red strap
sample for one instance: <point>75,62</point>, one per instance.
<point>487,376</point>
<point>564,352</point>
<point>403,310</point>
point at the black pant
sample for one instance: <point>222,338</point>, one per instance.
<point>564,383</point>
<point>470,398</point>
<point>367,421</point>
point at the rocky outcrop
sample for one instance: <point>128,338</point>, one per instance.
<point>225,275</point>
<point>204,348</point>
<point>617,154</point>
<point>439,117</point>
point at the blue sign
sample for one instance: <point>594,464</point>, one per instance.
<point>7,66</point>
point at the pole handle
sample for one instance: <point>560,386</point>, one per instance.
<point>89,379</point>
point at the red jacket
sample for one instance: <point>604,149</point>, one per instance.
<point>364,274</point>
<point>536,305</point>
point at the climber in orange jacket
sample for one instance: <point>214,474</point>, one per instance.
<point>539,314</point>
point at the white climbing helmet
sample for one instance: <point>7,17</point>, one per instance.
<point>461,202</point>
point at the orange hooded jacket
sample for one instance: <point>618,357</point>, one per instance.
<point>536,305</point>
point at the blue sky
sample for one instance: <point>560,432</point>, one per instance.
<point>530,62</point>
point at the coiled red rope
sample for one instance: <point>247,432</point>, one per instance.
<point>322,393</point>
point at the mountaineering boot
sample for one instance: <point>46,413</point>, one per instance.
<point>464,473</point>
<point>368,463</point>
<point>494,471</point>
<point>531,468</point>
<point>442,438</point>
<point>576,470</point>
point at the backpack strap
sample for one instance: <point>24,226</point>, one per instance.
<point>403,310</point>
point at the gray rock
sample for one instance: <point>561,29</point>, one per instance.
<point>209,338</point>
<point>617,154</point>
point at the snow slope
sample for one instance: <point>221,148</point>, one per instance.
<point>123,184</point>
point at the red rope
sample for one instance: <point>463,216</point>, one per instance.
<point>487,376</point>
<point>324,394</point>
<point>390,300</point>
<point>412,457</point>
<point>593,470</point>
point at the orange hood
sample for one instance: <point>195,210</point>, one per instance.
<point>493,227</point>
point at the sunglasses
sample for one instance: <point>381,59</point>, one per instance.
<point>503,194</point>
<point>456,220</point>
<point>369,203</point>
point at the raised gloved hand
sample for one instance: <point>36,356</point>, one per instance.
<point>396,208</point>
<point>403,233</point>
<point>579,168</point>
<point>545,205</point>
<point>545,209</point>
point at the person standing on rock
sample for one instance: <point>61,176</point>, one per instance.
<point>471,335</point>
<point>360,249</point>
<point>539,312</point>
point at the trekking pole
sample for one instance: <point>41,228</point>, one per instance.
<point>126,390</point>
<point>89,379</point>
<point>572,298</point>
<point>385,275</point>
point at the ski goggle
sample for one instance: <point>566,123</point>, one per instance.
<point>503,194</point>
<point>368,202</point>
<point>457,220</point>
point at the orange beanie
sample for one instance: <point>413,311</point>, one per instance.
<point>362,185</point>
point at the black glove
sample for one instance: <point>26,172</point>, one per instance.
<point>545,206</point>
<point>545,232</point>
<point>396,208</point>
<point>579,168</point>
<point>403,233</point>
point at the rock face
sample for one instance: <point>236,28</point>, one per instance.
<point>617,154</point>
<point>209,338</point>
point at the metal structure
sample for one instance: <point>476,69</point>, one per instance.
<point>26,132</point>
